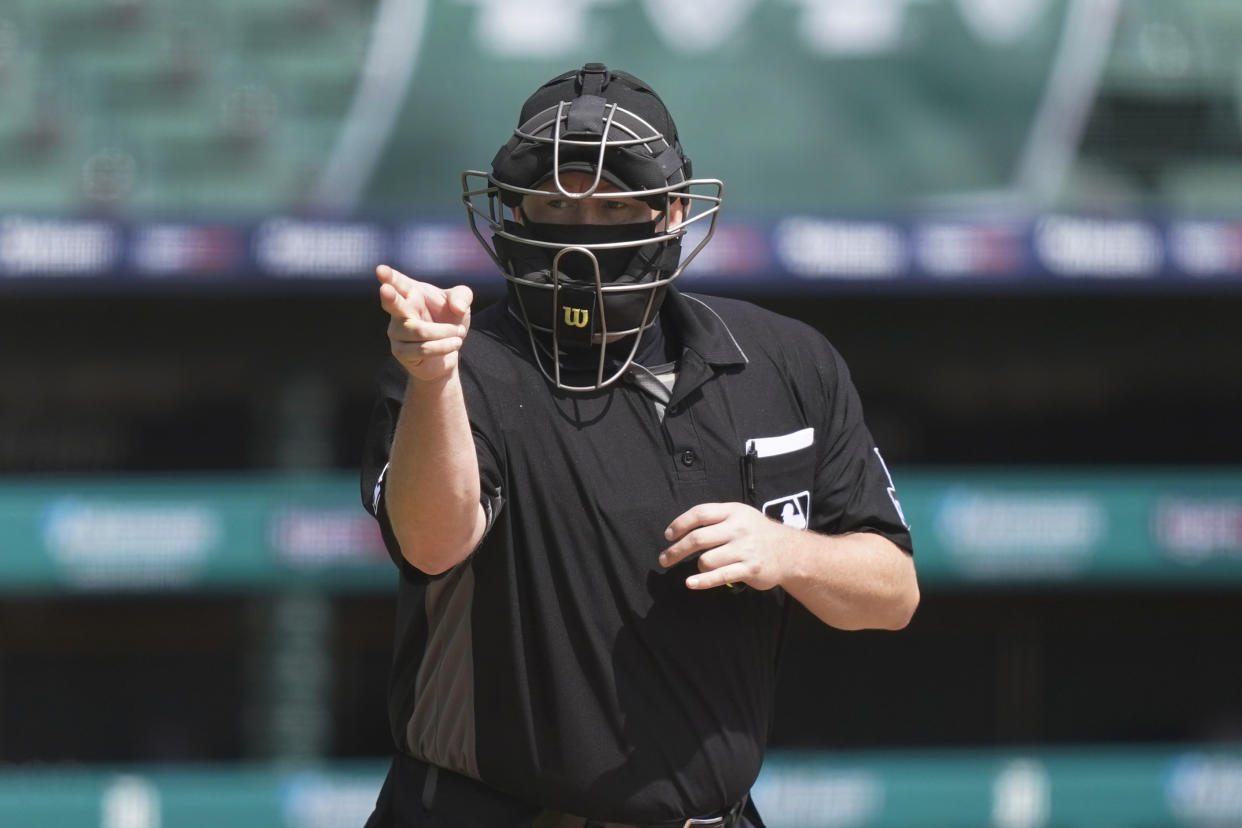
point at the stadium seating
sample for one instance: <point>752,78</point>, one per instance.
<point>133,107</point>
<point>139,106</point>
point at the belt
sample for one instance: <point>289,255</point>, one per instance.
<point>724,819</point>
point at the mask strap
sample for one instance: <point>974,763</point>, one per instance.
<point>592,79</point>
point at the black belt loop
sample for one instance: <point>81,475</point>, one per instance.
<point>429,786</point>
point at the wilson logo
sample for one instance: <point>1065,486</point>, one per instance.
<point>577,317</point>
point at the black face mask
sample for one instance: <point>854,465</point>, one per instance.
<point>576,311</point>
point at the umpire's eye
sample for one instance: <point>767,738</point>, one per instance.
<point>587,211</point>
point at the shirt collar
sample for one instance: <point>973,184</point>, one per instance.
<point>702,330</point>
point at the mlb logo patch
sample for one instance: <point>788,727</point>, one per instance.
<point>792,510</point>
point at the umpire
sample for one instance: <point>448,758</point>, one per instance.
<point>602,493</point>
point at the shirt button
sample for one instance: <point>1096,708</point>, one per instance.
<point>688,458</point>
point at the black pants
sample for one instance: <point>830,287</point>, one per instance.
<point>412,798</point>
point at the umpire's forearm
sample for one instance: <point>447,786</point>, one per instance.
<point>854,581</point>
<point>432,485</point>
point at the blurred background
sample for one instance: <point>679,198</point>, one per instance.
<point>1019,220</point>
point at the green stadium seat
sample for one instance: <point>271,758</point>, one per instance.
<point>228,105</point>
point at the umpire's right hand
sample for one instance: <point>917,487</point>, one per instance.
<point>428,324</point>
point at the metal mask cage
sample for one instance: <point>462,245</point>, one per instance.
<point>699,207</point>
<point>701,198</point>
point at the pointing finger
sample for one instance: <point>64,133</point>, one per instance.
<point>387,275</point>
<point>389,297</point>
<point>393,302</point>
<point>414,302</point>
<point>460,298</point>
<point>404,285</point>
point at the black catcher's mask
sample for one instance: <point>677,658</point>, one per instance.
<point>579,286</point>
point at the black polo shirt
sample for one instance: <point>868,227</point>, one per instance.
<point>560,662</point>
